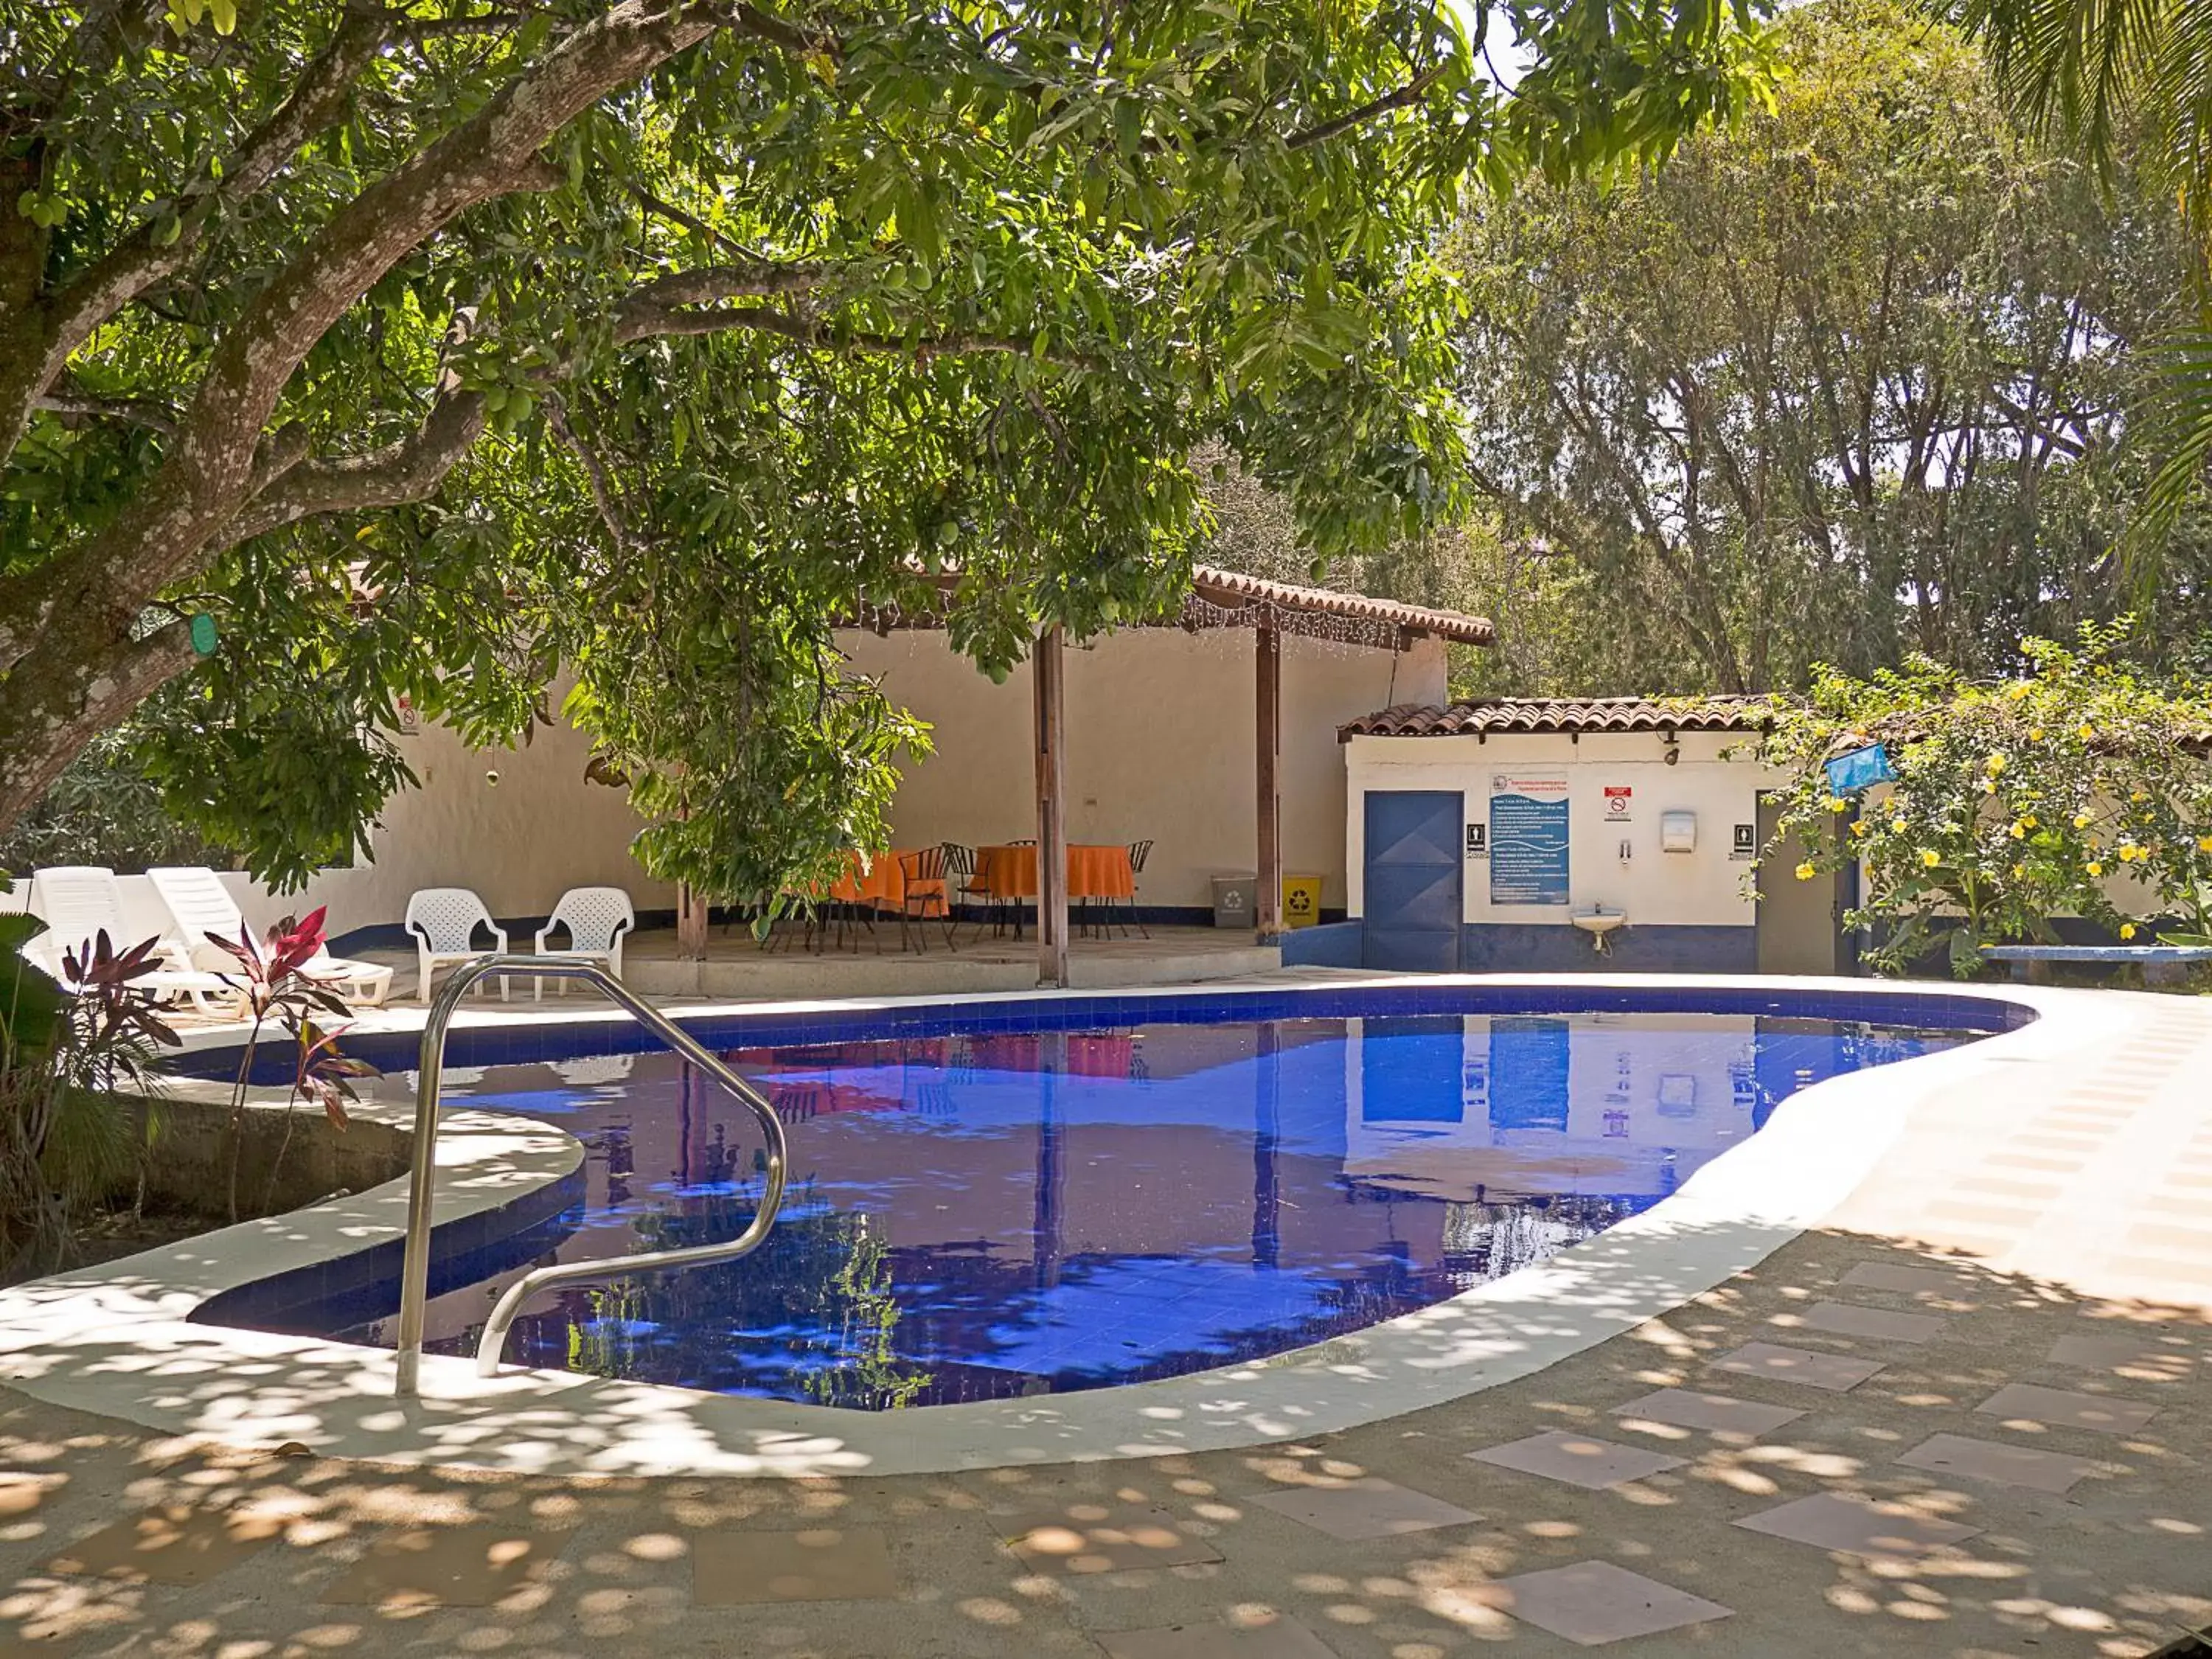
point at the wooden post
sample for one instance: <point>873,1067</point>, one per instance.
<point>691,923</point>
<point>1267,699</point>
<point>1049,683</point>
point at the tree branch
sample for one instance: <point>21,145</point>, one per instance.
<point>206,475</point>
<point>641,322</point>
<point>67,318</point>
<point>395,475</point>
<point>750,279</point>
<point>135,411</point>
<point>602,491</point>
<point>1407,94</point>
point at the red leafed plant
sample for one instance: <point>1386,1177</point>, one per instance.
<point>274,978</point>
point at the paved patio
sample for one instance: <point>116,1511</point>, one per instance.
<point>1969,1415</point>
<point>871,965</point>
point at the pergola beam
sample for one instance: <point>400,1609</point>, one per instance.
<point>1049,687</point>
<point>1267,744</point>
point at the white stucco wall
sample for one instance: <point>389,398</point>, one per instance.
<point>1705,887</point>
<point>1160,744</point>
<point>519,843</point>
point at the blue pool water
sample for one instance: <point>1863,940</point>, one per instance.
<point>1005,1212</point>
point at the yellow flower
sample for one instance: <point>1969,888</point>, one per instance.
<point>2204,843</point>
<point>1995,764</point>
<point>1804,872</point>
<point>1837,804</point>
<point>2029,820</point>
<point>2081,820</point>
<point>2095,868</point>
<point>2140,796</point>
<point>2035,734</point>
<point>2087,731</point>
<point>2020,869</point>
<point>2021,690</point>
<point>1930,857</point>
<point>2127,930</point>
<point>1859,829</point>
<point>2020,830</point>
<point>1897,822</point>
<point>1989,786</point>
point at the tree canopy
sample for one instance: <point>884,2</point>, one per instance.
<point>425,348</point>
<point>1846,381</point>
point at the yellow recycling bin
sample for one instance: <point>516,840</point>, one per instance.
<point>1301,901</point>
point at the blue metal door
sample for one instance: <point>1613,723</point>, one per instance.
<point>1414,862</point>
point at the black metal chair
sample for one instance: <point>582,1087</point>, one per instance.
<point>1138,852</point>
<point>923,876</point>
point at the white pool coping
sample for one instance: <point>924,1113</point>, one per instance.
<point>116,1339</point>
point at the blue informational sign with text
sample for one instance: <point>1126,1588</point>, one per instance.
<point>1527,840</point>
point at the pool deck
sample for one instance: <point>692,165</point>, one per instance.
<point>870,964</point>
<point>1999,1331</point>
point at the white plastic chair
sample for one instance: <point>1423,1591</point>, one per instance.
<point>78,900</point>
<point>444,920</point>
<point>200,904</point>
<point>596,918</point>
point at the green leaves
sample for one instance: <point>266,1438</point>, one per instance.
<point>2073,790</point>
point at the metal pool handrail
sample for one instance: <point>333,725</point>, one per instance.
<point>415,1266</point>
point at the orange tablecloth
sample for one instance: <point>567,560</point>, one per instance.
<point>883,884</point>
<point>1093,873</point>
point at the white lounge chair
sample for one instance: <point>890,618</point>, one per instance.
<point>199,904</point>
<point>444,920</point>
<point>596,918</point>
<point>79,901</point>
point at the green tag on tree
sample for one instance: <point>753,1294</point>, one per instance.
<point>204,634</point>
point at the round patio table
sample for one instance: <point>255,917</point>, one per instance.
<point>1093,873</point>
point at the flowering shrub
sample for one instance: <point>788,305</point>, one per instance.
<point>2081,788</point>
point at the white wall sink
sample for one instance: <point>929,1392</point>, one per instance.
<point>1598,920</point>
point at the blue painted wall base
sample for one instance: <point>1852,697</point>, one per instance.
<point>1331,944</point>
<point>1554,948</point>
<point>1558,948</point>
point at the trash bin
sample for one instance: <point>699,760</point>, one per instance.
<point>1235,897</point>
<point>1301,901</point>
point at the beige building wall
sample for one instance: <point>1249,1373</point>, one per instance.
<point>519,841</point>
<point>1160,745</point>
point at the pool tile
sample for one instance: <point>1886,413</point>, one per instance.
<point>1369,1507</point>
<point>1911,1281</point>
<point>2062,1408</point>
<point>1716,1414</point>
<point>1281,1638</point>
<point>176,1544</point>
<point>455,1566</point>
<point>1082,1536</point>
<point>1857,1526</point>
<point>1837,1373</point>
<point>825,1564</point>
<point>1592,1603</point>
<point>1579,1460</point>
<point>1849,1319</point>
<point>2140,1355</point>
<point>1989,1460</point>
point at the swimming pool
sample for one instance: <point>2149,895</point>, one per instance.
<point>988,1205</point>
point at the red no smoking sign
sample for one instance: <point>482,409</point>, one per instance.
<point>1618,800</point>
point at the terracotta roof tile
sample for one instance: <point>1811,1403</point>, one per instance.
<point>1489,715</point>
<point>1230,588</point>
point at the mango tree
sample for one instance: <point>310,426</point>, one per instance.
<point>418,348</point>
